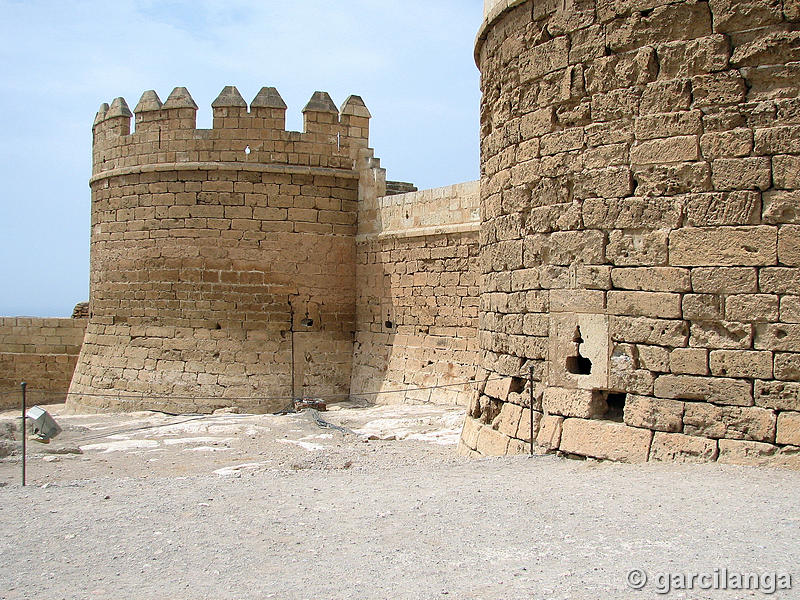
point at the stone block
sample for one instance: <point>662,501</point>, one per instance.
<point>701,307</point>
<point>605,440</point>
<point>788,431</point>
<point>679,448</point>
<point>733,208</point>
<point>507,422</point>
<point>789,245</point>
<point>643,330</point>
<point>777,336</point>
<point>565,248</point>
<point>631,213</point>
<point>757,454</point>
<point>721,334</point>
<point>585,404</point>
<point>577,301</point>
<point>654,413</point>
<point>545,58</point>
<point>730,422</point>
<point>733,280</point>
<point>610,182</point>
<point>786,172</point>
<point>723,246</point>
<point>623,70</point>
<point>752,307</point>
<point>491,442</point>
<point>741,363</point>
<point>652,279</point>
<point>664,98</point>
<point>781,206</point>
<point>667,150</point>
<point>653,358</point>
<point>688,361</point>
<point>743,15</point>
<point>673,179</point>
<point>718,89</point>
<point>524,430</point>
<point>727,144</point>
<point>637,248</point>
<point>777,395</point>
<point>616,104</point>
<point>644,304</point>
<point>786,366</point>
<point>790,309</point>
<point>470,431</point>
<point>694,57</point>
<point>779,280</point>
<point>549,435</point>
<point>720,390</point>
<point>499,387</point>
<point>777,140</point>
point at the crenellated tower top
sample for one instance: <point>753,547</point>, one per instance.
<point>167,132</point>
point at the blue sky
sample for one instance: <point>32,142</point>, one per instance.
<point>411,61</point>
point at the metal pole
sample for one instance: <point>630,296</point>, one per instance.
<point>291,335</point>
<point>24,432</point>
<point>530,378</point>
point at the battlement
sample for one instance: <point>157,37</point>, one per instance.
<point>167,132</point>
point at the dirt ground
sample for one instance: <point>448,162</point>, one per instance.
<point>368,502</point>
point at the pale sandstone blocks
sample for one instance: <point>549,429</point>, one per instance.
<point>788,431</point>
<point>741,173</point>
<point>741,363</point>
<point>705,389</point>
<point>645,304</point>
<point>724,246</point>
<point>731,422</point>
<point>586,404</point>
<point>668,150</point>
<point>778,395</point>
<point>676,447</point>
<point>644,330</point>
<point>653,279</point>
<point>654,413</point>
<point>689,361</point>
<point>605,440</point>
<point>491,442</point>
<point>549,435</point>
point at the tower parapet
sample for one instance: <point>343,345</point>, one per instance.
<point>223,259</point>
<point>167,132</point>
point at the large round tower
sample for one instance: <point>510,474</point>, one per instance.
<point>640,229</point>
<point>222,260</point>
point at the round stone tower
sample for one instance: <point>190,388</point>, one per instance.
<point>640,229</point>
<point>222,260</point>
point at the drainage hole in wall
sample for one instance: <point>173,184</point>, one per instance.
<point>616,407</point>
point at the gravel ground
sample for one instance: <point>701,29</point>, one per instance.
<point>236,506</point>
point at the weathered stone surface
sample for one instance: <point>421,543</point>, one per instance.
<point>723,246</point>
<point>676,447</point>
<point>733,280</point>
<point>786,172</point>
<point>787,366</point>
<point>756,454</point>
<point>721,334</point>
<point>605,440</point>
<point>788,431</point>
<point>689,361</point>
<point>734,208</point>
<point>470,431</point>
<point>654,413</point>
<point>781,207</point>
<point>789,245</point>
<point>720,390</point>
<point>586,404</point>
<point>733,15</point>
<point>666,100</point>
<point>702,307</point>
<point>778,395</point>
<point>565,248</point>
<point>741,363</point>
<point>645,304</point>
<point>631,213</point>
<point>508,421</point>
<point>653,358</point>
<point>668,150</point>
<point>777,336</point>
<point>491,442</point>
<point>637,248</point>
<point>672,179</point>
<point>694,57</point>
<point>727,87</point>
<point>779,280</point>
<point>549,435</point>
<point>499,387</point>
<point>643,330</point>
<point>752,307</point>
<point>731,422</point>
<point>727,144</point>
<point>754,173</point>
<point>652,279</point>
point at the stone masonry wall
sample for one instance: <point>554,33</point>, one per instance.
<point>417,295</point>
<point>640,227</point>
<point>41,352</point>
<point>223,260</point>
